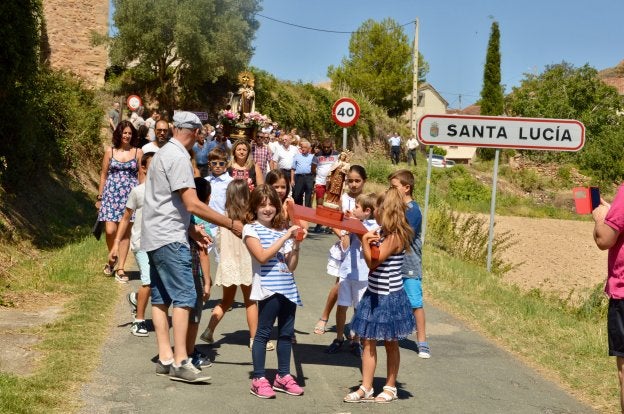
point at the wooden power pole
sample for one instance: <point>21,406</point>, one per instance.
<point>414,81</point>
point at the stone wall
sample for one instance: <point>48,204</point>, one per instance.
<point>69,24</point>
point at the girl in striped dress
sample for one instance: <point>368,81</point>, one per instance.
<point>384,313</point>
<point>274,255</point>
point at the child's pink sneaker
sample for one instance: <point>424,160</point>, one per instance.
<point>287,384</point>
<point>261,387</point>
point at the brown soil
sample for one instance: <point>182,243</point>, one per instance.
<point>555,256</point>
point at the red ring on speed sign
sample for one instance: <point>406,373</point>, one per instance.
<point>345,112</point>
<point>134,102</point>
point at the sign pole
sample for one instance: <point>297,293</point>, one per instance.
<point>427,187</point>
<point>492,212</point>
<point>344,139</point>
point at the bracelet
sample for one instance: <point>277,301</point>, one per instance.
<point>232,224</point>
<point>295,250</point>
<point>99,197</point>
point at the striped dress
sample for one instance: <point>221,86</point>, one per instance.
<point>384,312</point>
<point>274,275</point>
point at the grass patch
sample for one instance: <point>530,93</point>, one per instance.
<point>568,341</point>
<point>70,343</point>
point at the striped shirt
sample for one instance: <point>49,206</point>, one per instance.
<point>274,275</point>
<point>386,278</point>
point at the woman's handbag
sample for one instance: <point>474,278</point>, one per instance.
<point>97,229</point>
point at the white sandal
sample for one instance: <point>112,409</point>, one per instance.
<point>388,394</point>
<point>355,397</point>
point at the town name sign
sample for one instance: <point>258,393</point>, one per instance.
<point>502,132</point>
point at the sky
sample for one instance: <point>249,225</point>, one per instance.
<point>453,37</point>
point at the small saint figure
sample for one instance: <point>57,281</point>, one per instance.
<point>243,101</point>
<point>335,181</point>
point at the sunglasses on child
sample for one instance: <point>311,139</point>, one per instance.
<point>219,163</point>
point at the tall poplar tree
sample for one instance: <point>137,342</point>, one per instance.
<point>492,101</point>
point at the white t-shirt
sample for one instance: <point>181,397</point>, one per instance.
<point>284,156</point>
<point>412,143</point>
<point>135,203</point>
<point>323,165</point>
<point>347,202</point>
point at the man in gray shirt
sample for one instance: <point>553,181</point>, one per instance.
<point>113,116</point>
<point>170,200</point>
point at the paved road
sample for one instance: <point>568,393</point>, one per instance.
<point>466,374</point>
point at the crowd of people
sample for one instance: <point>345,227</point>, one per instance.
<point>191,191</point>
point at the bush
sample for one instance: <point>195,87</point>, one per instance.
<point>58,127</point>
<point>465,236</point>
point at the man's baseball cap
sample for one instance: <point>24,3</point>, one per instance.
<point>184,119</point>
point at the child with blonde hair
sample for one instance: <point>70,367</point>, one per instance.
<point>234,268</point>
<point>384,313</point>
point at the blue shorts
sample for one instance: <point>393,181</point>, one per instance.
<point>413,288</point>
<point>140,257</point>
<point>172,277</point>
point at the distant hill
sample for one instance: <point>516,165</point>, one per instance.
<point>614,77</point>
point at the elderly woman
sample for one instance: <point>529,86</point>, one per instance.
<point>120,168</point>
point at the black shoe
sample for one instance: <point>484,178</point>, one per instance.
<point>334,347</point>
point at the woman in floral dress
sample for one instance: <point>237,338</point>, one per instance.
<point>119,175</point>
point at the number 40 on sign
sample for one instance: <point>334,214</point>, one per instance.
<point>345,112</point>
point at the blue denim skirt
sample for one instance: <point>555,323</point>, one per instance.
<point>384,317</point>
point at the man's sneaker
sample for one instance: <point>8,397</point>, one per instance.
<point>162,369</point>
<point>200,360</point>
<point>187,373</point>
<point>287,384</point>
<point>260,387</point>
<point>206,336</point>
<point>139,328</point>
<point>423,350</point>
<point>132,300</point>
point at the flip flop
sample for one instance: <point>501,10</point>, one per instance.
<point>319,328</point>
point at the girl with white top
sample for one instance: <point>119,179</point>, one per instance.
<point>274,257</point>
<point>356,178</point>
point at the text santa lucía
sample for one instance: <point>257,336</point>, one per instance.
<point>546,133</point>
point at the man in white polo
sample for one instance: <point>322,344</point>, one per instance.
<point>170,200</point>
<point>284,155</point>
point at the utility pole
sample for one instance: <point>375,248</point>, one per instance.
<point>414,81</point>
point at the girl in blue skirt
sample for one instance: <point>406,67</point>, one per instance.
<point>384,313</point>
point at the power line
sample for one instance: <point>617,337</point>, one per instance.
<point>314,28</point>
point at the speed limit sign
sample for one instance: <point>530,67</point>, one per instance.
<point>133,102</point>
<point>345,112</point>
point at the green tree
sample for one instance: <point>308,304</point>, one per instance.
<point>380,65</point>
<point>565,92</point>
<point>492,102</point>
<point>180,45</point>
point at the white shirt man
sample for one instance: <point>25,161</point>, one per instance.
<point>283,157</point>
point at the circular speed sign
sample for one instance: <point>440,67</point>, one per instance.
<point>134,102</point>
<point>345,112</point>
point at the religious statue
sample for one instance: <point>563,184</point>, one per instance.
<point>335,180</point>
<point>244,100</point>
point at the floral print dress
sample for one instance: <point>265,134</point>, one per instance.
<point>122,177</point>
